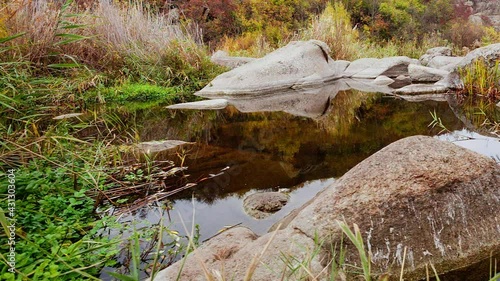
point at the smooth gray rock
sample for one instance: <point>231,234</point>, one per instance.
<point>434,52</point>
<point>401,81</point>
<point>263,204</point>
<point>383,80</point>
<point>444,62</point>
<point>438,200</point>
<point>419,73</point>
<point>229,255</point>
<point>298,63</point>
<point>201,105</point>
<point>223,58</point>
<point>490,54</point>
<point>371,68</point>
<point>157,146</point>
<point>415,89</point>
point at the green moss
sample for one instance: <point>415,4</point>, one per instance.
<point>136,92</point>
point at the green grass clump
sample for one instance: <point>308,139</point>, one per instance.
<point>482,80</point>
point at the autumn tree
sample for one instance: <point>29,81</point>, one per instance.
<point>216,18</point>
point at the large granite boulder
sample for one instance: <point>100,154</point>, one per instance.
<point>231,254</point>
<point>430,199</point>
<point>435,199</point>
<point>223,58</point>
<point>299,64</point>
<point>419,73</point>
<point>490,54</point>
<point>371,68</point>
<point>434,52</point>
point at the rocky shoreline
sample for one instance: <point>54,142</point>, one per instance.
<point>419,199</point>
<point>302,70</point>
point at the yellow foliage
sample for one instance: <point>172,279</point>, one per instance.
<point>249,44</point>
<point>334,28</point>
<point>491,35</point>
<point>3,18</point>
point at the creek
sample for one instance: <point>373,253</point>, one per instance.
<point>295,153</point>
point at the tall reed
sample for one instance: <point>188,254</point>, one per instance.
<point>125,40</point>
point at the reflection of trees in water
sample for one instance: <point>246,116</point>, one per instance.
<point>341,115</point>
<point>270,149</point>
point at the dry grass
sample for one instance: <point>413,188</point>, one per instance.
<point>123,39</point>
<point>334,28</point>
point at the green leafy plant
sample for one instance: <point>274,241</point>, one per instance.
<point>356,238</point>
<point>436,122</point>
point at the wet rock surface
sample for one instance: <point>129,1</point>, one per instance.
<point>263,204</point>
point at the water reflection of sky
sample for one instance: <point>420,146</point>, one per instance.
<point>481,144</point>
<point>229,211</point>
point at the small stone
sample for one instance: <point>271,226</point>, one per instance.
<point>383,80</point>
<point>66,116</point>
<point>157,146</point>
<point>202,105</point>
<point>401,81</point>
<point>263,204</point>
<point>419,73</point>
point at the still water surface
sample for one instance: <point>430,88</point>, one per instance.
<point>264,151</point>
<point>301,152</point>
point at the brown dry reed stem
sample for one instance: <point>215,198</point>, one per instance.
<point>192,247</point>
